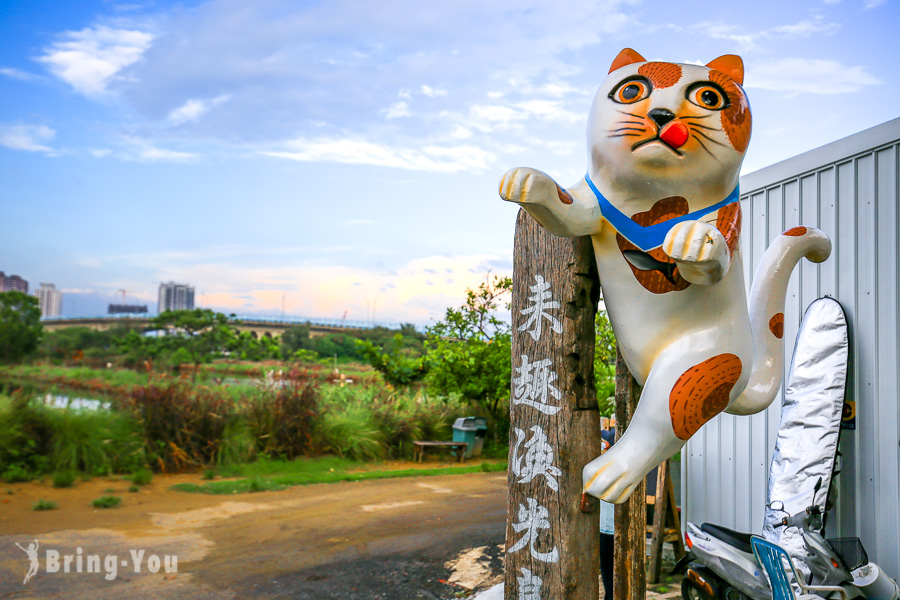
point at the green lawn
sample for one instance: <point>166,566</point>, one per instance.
<point>267,475</point>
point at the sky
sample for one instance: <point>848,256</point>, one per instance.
<point>341,158</point>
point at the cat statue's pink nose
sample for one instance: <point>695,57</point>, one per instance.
<point>675,134</point>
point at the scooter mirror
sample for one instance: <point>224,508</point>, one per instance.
<point>777,505</point>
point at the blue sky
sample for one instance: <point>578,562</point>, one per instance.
<point>344,156</point>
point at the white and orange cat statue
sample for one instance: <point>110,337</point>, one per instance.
<point>660,201</point>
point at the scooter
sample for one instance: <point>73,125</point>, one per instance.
<point>726,571</point>
<point>841,562</point>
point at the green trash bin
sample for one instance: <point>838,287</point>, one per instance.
<point>472,431</point>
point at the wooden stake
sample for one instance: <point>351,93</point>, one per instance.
<point>552,547</point>
<point>629,580</point>
<point>660,512</point>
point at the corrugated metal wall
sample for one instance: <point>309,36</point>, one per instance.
<point>849,189</point>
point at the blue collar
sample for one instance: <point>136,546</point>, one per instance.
<point>652,236</point>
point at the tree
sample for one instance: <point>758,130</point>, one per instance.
<point>604,363</point>
<point>396,364</point>
<point>468,353</point>
<point>201,332</point>
<point>295,338</point>
<point>20,325</point>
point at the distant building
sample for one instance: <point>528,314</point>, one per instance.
<point>175,296</point>
<point>13,283</point>
<point>130,309</point>
<point>49,299</point>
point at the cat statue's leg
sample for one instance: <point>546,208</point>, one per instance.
<point>565,212</point>
<point>685,389</point>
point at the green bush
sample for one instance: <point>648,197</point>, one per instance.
<point>63,479</point>
<point>141,477</point>
<point>16,473</point>
<point>106,502</point>
<point>44,505</point>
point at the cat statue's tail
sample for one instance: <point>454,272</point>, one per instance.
<point>767,297</point>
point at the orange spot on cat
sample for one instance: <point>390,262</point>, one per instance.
<point>728,222</point>
<point>795,231</point>
<point>655,281</point>
<point>702,392</point>
<point>626,57</point>
<point>564,196</point>
<point>776,325</point>
<point>660,74</point>
<point>736,121</point>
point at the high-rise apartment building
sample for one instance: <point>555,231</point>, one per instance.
<point>13,283</point>
<point>175,296</point>
<point>49,299</point>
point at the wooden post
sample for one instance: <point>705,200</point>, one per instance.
<point>629,581</point>
<point>660,512</point>
<point>552,547</point>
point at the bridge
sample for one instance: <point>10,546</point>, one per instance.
<point>259,326</point>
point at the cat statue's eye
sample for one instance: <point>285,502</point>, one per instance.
<point>631,91</point>
<point>707,96</point>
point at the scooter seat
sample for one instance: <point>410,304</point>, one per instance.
<point>739,540</point>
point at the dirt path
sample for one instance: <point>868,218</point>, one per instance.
<point>373,539</point>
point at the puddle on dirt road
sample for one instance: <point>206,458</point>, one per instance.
<point>472,568</point>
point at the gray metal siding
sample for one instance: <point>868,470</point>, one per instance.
<point>849,189</point>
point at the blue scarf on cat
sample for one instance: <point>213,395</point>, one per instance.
<point>652,236</point>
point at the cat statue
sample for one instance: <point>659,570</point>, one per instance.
<point>660,201</point>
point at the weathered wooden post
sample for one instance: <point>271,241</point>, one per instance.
<point>552,547</point>
<point>631,516</point>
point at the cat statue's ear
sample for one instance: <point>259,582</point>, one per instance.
<point>731,65</point>
<point>626,57</point>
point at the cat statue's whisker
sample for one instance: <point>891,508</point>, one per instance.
<point>703,146</point>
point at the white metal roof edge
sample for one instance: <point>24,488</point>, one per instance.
<point>857,143</point>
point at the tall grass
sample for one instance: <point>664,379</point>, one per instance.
<point>171,424</point>
<point>36,439</point>
<point>376,421</point>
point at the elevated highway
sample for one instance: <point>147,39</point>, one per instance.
<point>258,325</point>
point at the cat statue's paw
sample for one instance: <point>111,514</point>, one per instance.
<point>530,186</point>
<point>699,250</point>
<point>609,479</point>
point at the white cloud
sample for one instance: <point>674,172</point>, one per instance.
<point>488,117</point>
<point>752,40</point>
<point>30,138</point>
<point>461,133</point>
<point>89,59</point>
<point>18,74</point>
<point>396,110</point>
<point>419,291</point>
<point>433,93</point>
<point>811,76</point>
<point>874,3</point>
<point>192,110</point>
<point>140,150</point>
<point>429,158</point>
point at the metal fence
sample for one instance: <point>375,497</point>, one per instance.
<point>849,189</point>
